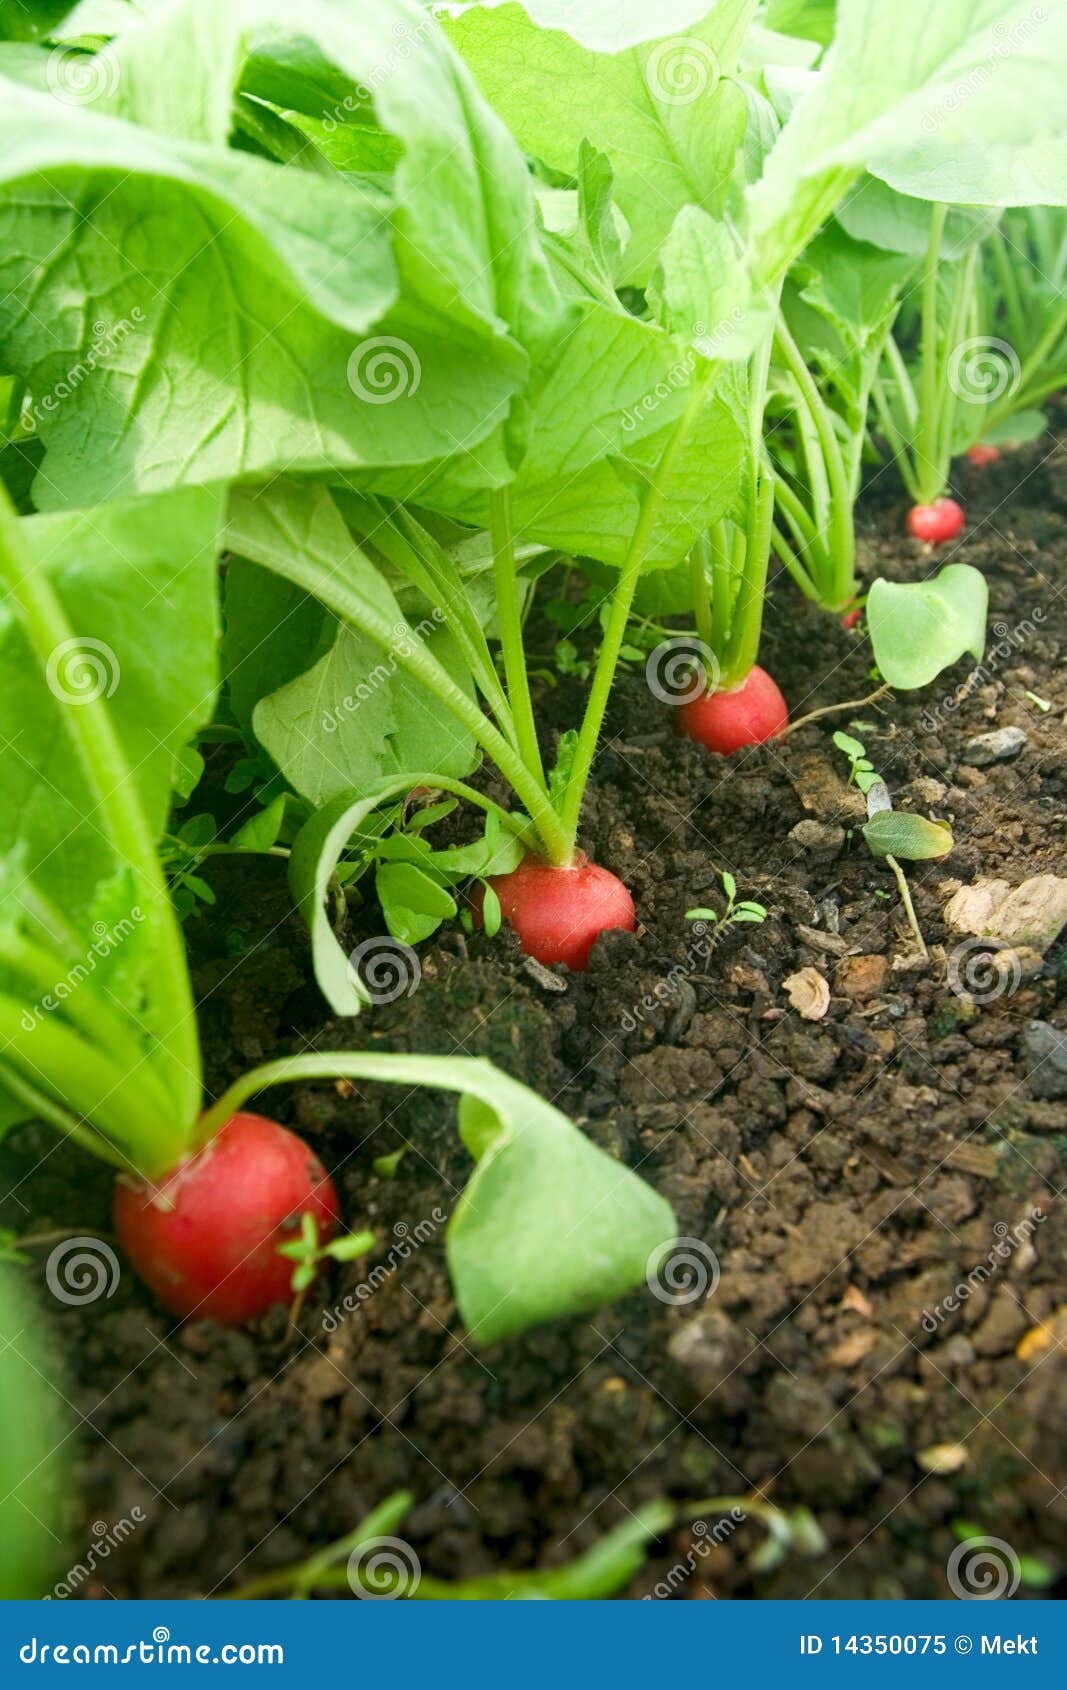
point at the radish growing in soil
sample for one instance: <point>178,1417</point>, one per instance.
<point>213,1207</point>
<point>559,913</point>
<point>938,523</point>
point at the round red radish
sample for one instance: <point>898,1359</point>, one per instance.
<point>205,1238</point>
<point>981,455</point>
<point>725,722</point>
<point>851,617</point>
<point>936,523</point>
<point>559,913</point>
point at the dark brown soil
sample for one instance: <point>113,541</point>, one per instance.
<point>848,1173</point>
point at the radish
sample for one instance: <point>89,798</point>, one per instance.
<point>981,455</point>
<point>205,1237</point>
<point>852,617</point>
<point>559,913</point>
<point>937,523</point>
<point>727,721</point>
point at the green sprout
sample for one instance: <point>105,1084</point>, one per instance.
<point>734,913</point>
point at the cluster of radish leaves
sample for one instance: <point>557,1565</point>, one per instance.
<point>97,1017</point>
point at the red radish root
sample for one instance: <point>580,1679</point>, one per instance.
<point>724,722</point>
<point>559,913</point>
<point>937,523</point>
<point>981,455</point>
<point>205,1238</point>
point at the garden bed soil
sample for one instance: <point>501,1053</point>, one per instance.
<point>848,1174</point>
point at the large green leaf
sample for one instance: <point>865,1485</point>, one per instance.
<point>960,102</point>
<point>919,628</point>
<point>137,580</point>
<point>184,312</point>
<point>666,114</point>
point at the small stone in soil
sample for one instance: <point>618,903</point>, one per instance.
<point>1003,745</point>
<point>818,836</point>
<point>1045,1049</point>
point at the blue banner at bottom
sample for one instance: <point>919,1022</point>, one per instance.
<point>516,1643</point>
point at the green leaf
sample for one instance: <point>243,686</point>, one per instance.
<point>316,852</point>
<point>971,113</point>
<point>701,289</point>
<point>548,1224</point>
<point>897,833</point>
<point>261,831</point>
<point>413,905</point>
<point>812,20</point>
<point>492,915</point>
<point>919,628</point>
<point>319,296</point>
<point>667,115</point>
<point>137,582</point>
<point>1020,429</point>
<point>350,1249</point>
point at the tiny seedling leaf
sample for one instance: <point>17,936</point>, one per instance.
<point>491,913</point>
<point>896,833</point>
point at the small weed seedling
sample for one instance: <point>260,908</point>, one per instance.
<point>307,1254</point>
<point>894,834</point>
<point>734,913</point>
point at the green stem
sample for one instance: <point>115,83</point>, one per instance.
<point>615,632</point>
<point>413,656</point>
<point>897,444</point>
<point>792,565</point>
<point>509,620</point>
<point>832,482</point>
<point>46,1108</point>
<point>90,1084</point>
<point>722,581</point>
<point>747,623</point>
<point>699,566</point>
<point>931,379</point>
<point>909,907</point>
<point>90,727</point>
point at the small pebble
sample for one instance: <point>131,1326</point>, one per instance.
<point>1003,745</point>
